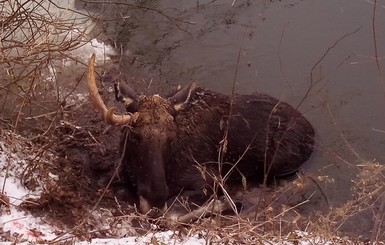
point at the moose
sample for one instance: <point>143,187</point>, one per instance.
<point>182,145</point>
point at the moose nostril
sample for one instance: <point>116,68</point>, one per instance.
<point>150,198</point>
<point>142,191</point>
<point>144,205</point>
<point>147,208</point>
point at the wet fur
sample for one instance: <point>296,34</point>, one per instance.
<point>165,147</point>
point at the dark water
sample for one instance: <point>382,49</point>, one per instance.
<point>317,52</point>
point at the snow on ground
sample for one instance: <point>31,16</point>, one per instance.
<point>25,226</point>
<point>166,237</point>
<point>19,223</point>
<point>86,48</point>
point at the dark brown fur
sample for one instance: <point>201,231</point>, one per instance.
<point>167,148</point>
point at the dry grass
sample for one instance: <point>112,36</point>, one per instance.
<point>368,199</point>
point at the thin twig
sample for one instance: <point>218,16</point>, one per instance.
<point>312,82</point>
<point>375,36</point>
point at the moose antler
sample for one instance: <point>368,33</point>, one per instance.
<point>108,114</point>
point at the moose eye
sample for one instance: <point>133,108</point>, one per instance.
<point>132,108</point>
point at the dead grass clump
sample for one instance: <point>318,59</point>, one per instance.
<point>365,210</point>
<point>298,211</point>
<point>268,214</point>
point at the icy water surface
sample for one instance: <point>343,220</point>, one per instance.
<point>318,55</point>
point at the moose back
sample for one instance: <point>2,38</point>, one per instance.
<point>183,144</point>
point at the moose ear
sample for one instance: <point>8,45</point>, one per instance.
<point>181,99</point>
<point>125,94</point>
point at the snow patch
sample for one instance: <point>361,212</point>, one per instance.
<point>21,225</point>
<point>26,227</point>
<point>167,237</point>
<point>11,169</point>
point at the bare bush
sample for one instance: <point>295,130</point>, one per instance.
<point>35,37</point>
